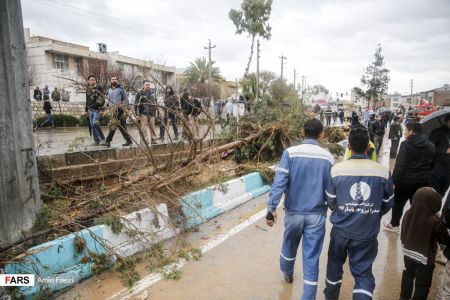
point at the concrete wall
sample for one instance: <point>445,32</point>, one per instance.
<point>75,109</point>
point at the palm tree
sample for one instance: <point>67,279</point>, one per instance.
<point>198,72</point>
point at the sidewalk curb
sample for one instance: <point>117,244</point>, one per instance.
<point>64,264</point>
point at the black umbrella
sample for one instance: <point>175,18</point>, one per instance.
<point>434,120</point>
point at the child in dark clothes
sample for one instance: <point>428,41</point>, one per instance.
<point>422,229</point>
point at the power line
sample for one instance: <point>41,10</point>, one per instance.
<point>162,32</point>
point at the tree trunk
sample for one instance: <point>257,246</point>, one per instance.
<point>250,58</point>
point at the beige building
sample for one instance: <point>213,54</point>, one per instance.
<point>439,96</point>
<point>50,59</point>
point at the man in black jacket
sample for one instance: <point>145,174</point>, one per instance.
<point>48,110</point>
<point>172,105</point>
<point>441,172</point>
<point>412,170</point>
<point>378,132</point>
<point>395,133</point>
<point>95,100</point>
<point>37,95</point>
<point>145,108</point>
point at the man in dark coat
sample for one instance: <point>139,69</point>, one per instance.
<point>441,172</point>
<point>378,133</point>
<point>48,110</point>
<point>412,170</point>
<point>172,105</point>
<point>145,109</point>
<point>395,133</point>
<point>37,95</point>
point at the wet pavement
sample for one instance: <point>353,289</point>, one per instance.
<point>246,265</point>
<point>71,139</point>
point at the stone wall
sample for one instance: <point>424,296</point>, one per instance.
<point>75,109</point>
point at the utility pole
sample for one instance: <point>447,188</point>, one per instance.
<point>257,70</point>
<point>282,65</point>
<point>412,84</point>
<point>295,75</point>
<point>19,188</point>
<point>303,87</point>
<point>210,66</point>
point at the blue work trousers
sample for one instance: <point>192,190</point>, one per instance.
<point>310,229</point>
<point>361,256</point>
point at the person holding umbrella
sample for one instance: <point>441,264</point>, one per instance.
<point>412,170</point>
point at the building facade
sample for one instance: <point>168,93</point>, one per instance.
<point>438,97</point>
<point>53,63</point>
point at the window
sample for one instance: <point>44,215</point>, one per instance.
<point>60,61</point>
<point>78,64</point>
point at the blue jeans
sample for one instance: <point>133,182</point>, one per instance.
<point>312,228</point>
<point>94,122</point>
<point>49,120</point>
<point>361,257</point>
<point>162,127</point>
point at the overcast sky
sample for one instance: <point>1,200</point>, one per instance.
<point>330,42</point>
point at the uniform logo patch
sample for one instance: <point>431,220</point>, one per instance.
<point>360,191</point>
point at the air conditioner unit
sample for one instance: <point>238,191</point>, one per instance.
<point>102,48</point>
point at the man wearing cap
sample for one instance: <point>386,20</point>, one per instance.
<point>412,170</point>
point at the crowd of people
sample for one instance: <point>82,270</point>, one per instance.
<point>144,112</point>
<point>45,95</point>
<point>359,191</point>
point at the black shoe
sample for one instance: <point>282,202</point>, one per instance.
<point>106,144</point>
<point>288,278</point>
<point>127,144</point>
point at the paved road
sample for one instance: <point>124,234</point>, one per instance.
<point>245,266</point>
<point>71,139</point>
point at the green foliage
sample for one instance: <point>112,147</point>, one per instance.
<point>278,123</point>
<point>127,268</point>
<point>281,91</point>
<point>318,88</point>
<point>377,78</point>
<point>198,72</point>
<point>174,274</point>
<point>112,221</point>
<point>61,120</point>
<point>334,149</point>
<point>100,262</point>
<point>79,244</point>
<point>54,191</point>
<point>334,134</point>
<point>359,92</point>
<point>15,293</point>
<point>252,18</point>
<point>196,253</point>
<point>42,219</point>
<point>44,294</point>
<point>84,120</point>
